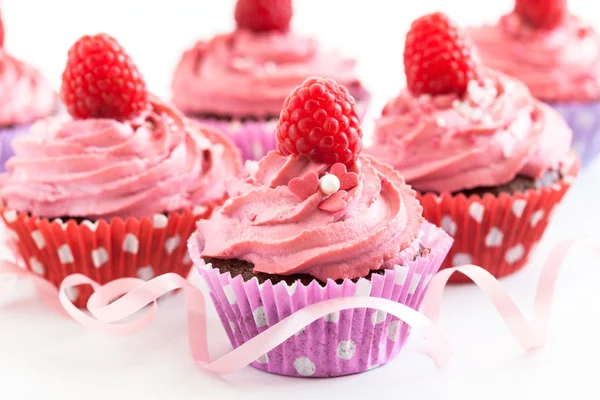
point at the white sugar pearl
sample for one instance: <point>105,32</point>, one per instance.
<point>329,184</point>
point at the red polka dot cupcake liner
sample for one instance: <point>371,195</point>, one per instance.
<point>496,233</point>
<point>342,343</point>
<point>102,250</point>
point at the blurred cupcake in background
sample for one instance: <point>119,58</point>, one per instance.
<point>25,96</point>
<point>489,162</point>
<point>238,81</point>
<point>313,221</point>
<point>114,189</point>
<point>557,55</point>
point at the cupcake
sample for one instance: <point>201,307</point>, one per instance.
<point>237,81</point>
<point>557,55</point>
<point>26,97</point>
<point>488,161</point>
<point>313,221</point>
<point>112,190</point>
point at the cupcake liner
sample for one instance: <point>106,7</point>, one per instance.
<point>256,138</point>
<point>496,233</point>
<point>348,342</point>
<point>584,121</point>
<point>101,250</point>
<point>6,137</point>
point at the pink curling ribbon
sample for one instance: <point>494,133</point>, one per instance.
<point>137,294</point>
<point>529,336</point>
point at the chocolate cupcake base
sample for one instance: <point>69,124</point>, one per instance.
<point>246,270</point>
<point>520,184</point>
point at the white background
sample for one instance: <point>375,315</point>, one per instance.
<point>43,356</point>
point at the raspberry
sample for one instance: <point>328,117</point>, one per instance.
<point>319,120</point>
<point>101,81</point>
<point>264,15</point>
<point>438,57</point>
<point>544,14</point>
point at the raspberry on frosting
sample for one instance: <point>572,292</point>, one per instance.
<point>264,15</point>
<point>319,120</point>
<point>101,80</point>
<point>542,14</point>
<point>438,57</point>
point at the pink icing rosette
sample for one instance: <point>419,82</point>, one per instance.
<point>26,96</point>
<point>112,199</point>
<point>561,66</point>
<point>365,239</point>
<point>103,168</point>
<point>444,145</point>
<point>238,81</point>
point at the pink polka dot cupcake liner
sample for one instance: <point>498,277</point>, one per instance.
<point>496,233</point>
<point>584,121</point>
<point>101,250</point>
<point>343,343</point>
<point>256,138</point>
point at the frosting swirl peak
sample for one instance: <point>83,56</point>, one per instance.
<point>268,223</point>
<point>560,64</point>
<point>26,96</point>
<point>103,168</point>
<point>494,133</point>
<point>245,74</point>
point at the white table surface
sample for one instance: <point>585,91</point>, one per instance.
<point>43,356</point>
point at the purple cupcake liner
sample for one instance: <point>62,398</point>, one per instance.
<point>256,138</point>
<point>343,343</point>
<point>6,137</point>
<point>584,120</point>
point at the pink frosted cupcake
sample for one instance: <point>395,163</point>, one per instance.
<point>26,97</point>
<point>114,189</point>
<point>557,55</point>
<point>299,229</point>
<point>489,162</point>
<point>237,81</point>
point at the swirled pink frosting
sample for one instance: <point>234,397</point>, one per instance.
<point>562,64</point>
<point>244,74</point>
<point>103,168</point>
<point>494,133</point>
<point>24,93</point>
<point>264,223</point>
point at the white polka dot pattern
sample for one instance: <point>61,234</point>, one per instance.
<point>36,266</point>
<point>260,317</point>
<point>494,237</point>
<point>346,349</point>
<point>304,366</point>
<point>65,255</point>
<point>514,254</point>
<point>172,243</point>
<point>38,239</point>
<point>131,244</point>
<point>99,257</point>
